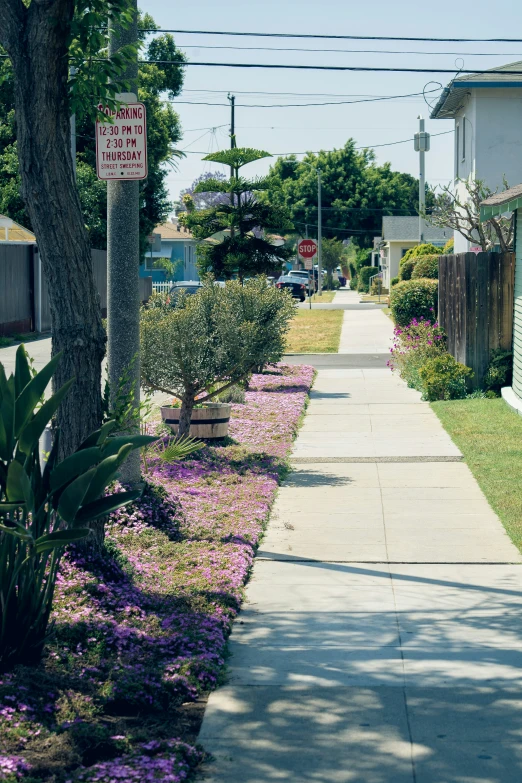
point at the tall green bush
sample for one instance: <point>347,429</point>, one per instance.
<point>363,278</point>
<point>421,250</point>
<point>414,299</point>
<point>42,509</point>
<point>212,340</point>
<point>427,267</point>
<point>406,269</point>
<point>449,247</point>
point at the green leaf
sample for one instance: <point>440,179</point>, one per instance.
<point>32,431</point>
<point>104,506</point>
<point>237,157</point>
<point>18,485</point>
<point>60,538</point>
<point>73,495</point>
<point>7,412</point>
<point>72,466</point>
<point>4,450</point>
<point>22,370</point>
<point>97,437</point>
<point>14,531</point>
<point>32,393</point>
<point>113,445</point>
<point>105,472</point>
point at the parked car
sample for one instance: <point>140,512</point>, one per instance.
<point>307,278</point>
<point>295,285</point>
<point>189,286</point>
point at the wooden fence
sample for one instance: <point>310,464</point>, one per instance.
<point>476,306</point>
<point>22,308</point>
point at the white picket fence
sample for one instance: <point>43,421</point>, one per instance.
<point>162,287</point>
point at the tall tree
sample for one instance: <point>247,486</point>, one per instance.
<point>237,228</point>
<point>332,257</point>
<point>459,208</point>
<point>156,81</point>
<point>193,196</point>
<point>43,38</point>
<point>356,193</point>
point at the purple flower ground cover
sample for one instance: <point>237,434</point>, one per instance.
<point>140,630</point>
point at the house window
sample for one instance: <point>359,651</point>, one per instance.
<point>404,250</point>
<point>463,138</point>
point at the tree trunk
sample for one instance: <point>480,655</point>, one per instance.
<point>185,414</point>
<point>36,39</point>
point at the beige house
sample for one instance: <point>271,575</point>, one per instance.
<point>399,234</point>
<point>14,232</point>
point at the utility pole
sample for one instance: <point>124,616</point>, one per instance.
<point>319,236</point>
<point>123,258</point>
<point>232,99</point>
<point>422,145</point>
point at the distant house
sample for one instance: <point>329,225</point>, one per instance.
<point>179,246</point>
<point>399,234</point>
<point>500,204</point>
<point>14,232</point>
<point>487,111</point>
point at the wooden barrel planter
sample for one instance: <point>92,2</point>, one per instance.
<point>210,421</point>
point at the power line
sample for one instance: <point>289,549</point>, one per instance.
<point>297,105</point>
<point>337,37</point>
<point>364,147</point>
<point>349,51</point>
<point>371,69</point>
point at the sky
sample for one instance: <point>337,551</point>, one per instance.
<point>298,129</point>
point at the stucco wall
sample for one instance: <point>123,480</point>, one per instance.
<point>493,121</point>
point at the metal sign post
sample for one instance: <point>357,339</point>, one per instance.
<point>307,250</point>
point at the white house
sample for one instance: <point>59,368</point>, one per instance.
<point>399,234</point>
<point>487,111</point>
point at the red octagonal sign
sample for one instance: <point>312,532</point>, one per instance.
<point>307,248</point>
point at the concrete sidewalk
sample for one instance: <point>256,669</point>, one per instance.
<point>381,639</point>
<point>366,330</point>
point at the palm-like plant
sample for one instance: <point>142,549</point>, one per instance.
<point>235,229</point>
<point>42,509</point>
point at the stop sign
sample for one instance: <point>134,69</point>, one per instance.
<point>307,248</point>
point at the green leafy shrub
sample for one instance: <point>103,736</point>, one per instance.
<point>444,378</point>
<point>363,278</point>
<point>378,288</point>
<point>449,247</point>
<point>413,346</point>
<point>411,299</point>
<point>406,269</point>
<point>499,372</point>
<point>427,267</point>
<point>421,250</point>
<point>394,281</point>
<point>212,340</point>
<point>43,510</point>
<point>234,394</point>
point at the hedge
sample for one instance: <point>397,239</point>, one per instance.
<point>420,250</point>
<point>426,266</point>
<point>406,269</point>
<point>363,277</point>
<point>416,298</point>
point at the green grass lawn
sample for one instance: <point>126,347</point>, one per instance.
<point>489,435</point>
<point>315,331</point>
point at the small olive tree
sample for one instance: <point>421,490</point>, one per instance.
<point>211,340</point>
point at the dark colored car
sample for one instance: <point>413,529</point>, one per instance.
<point>295,285</point>
<point>307,278</point>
